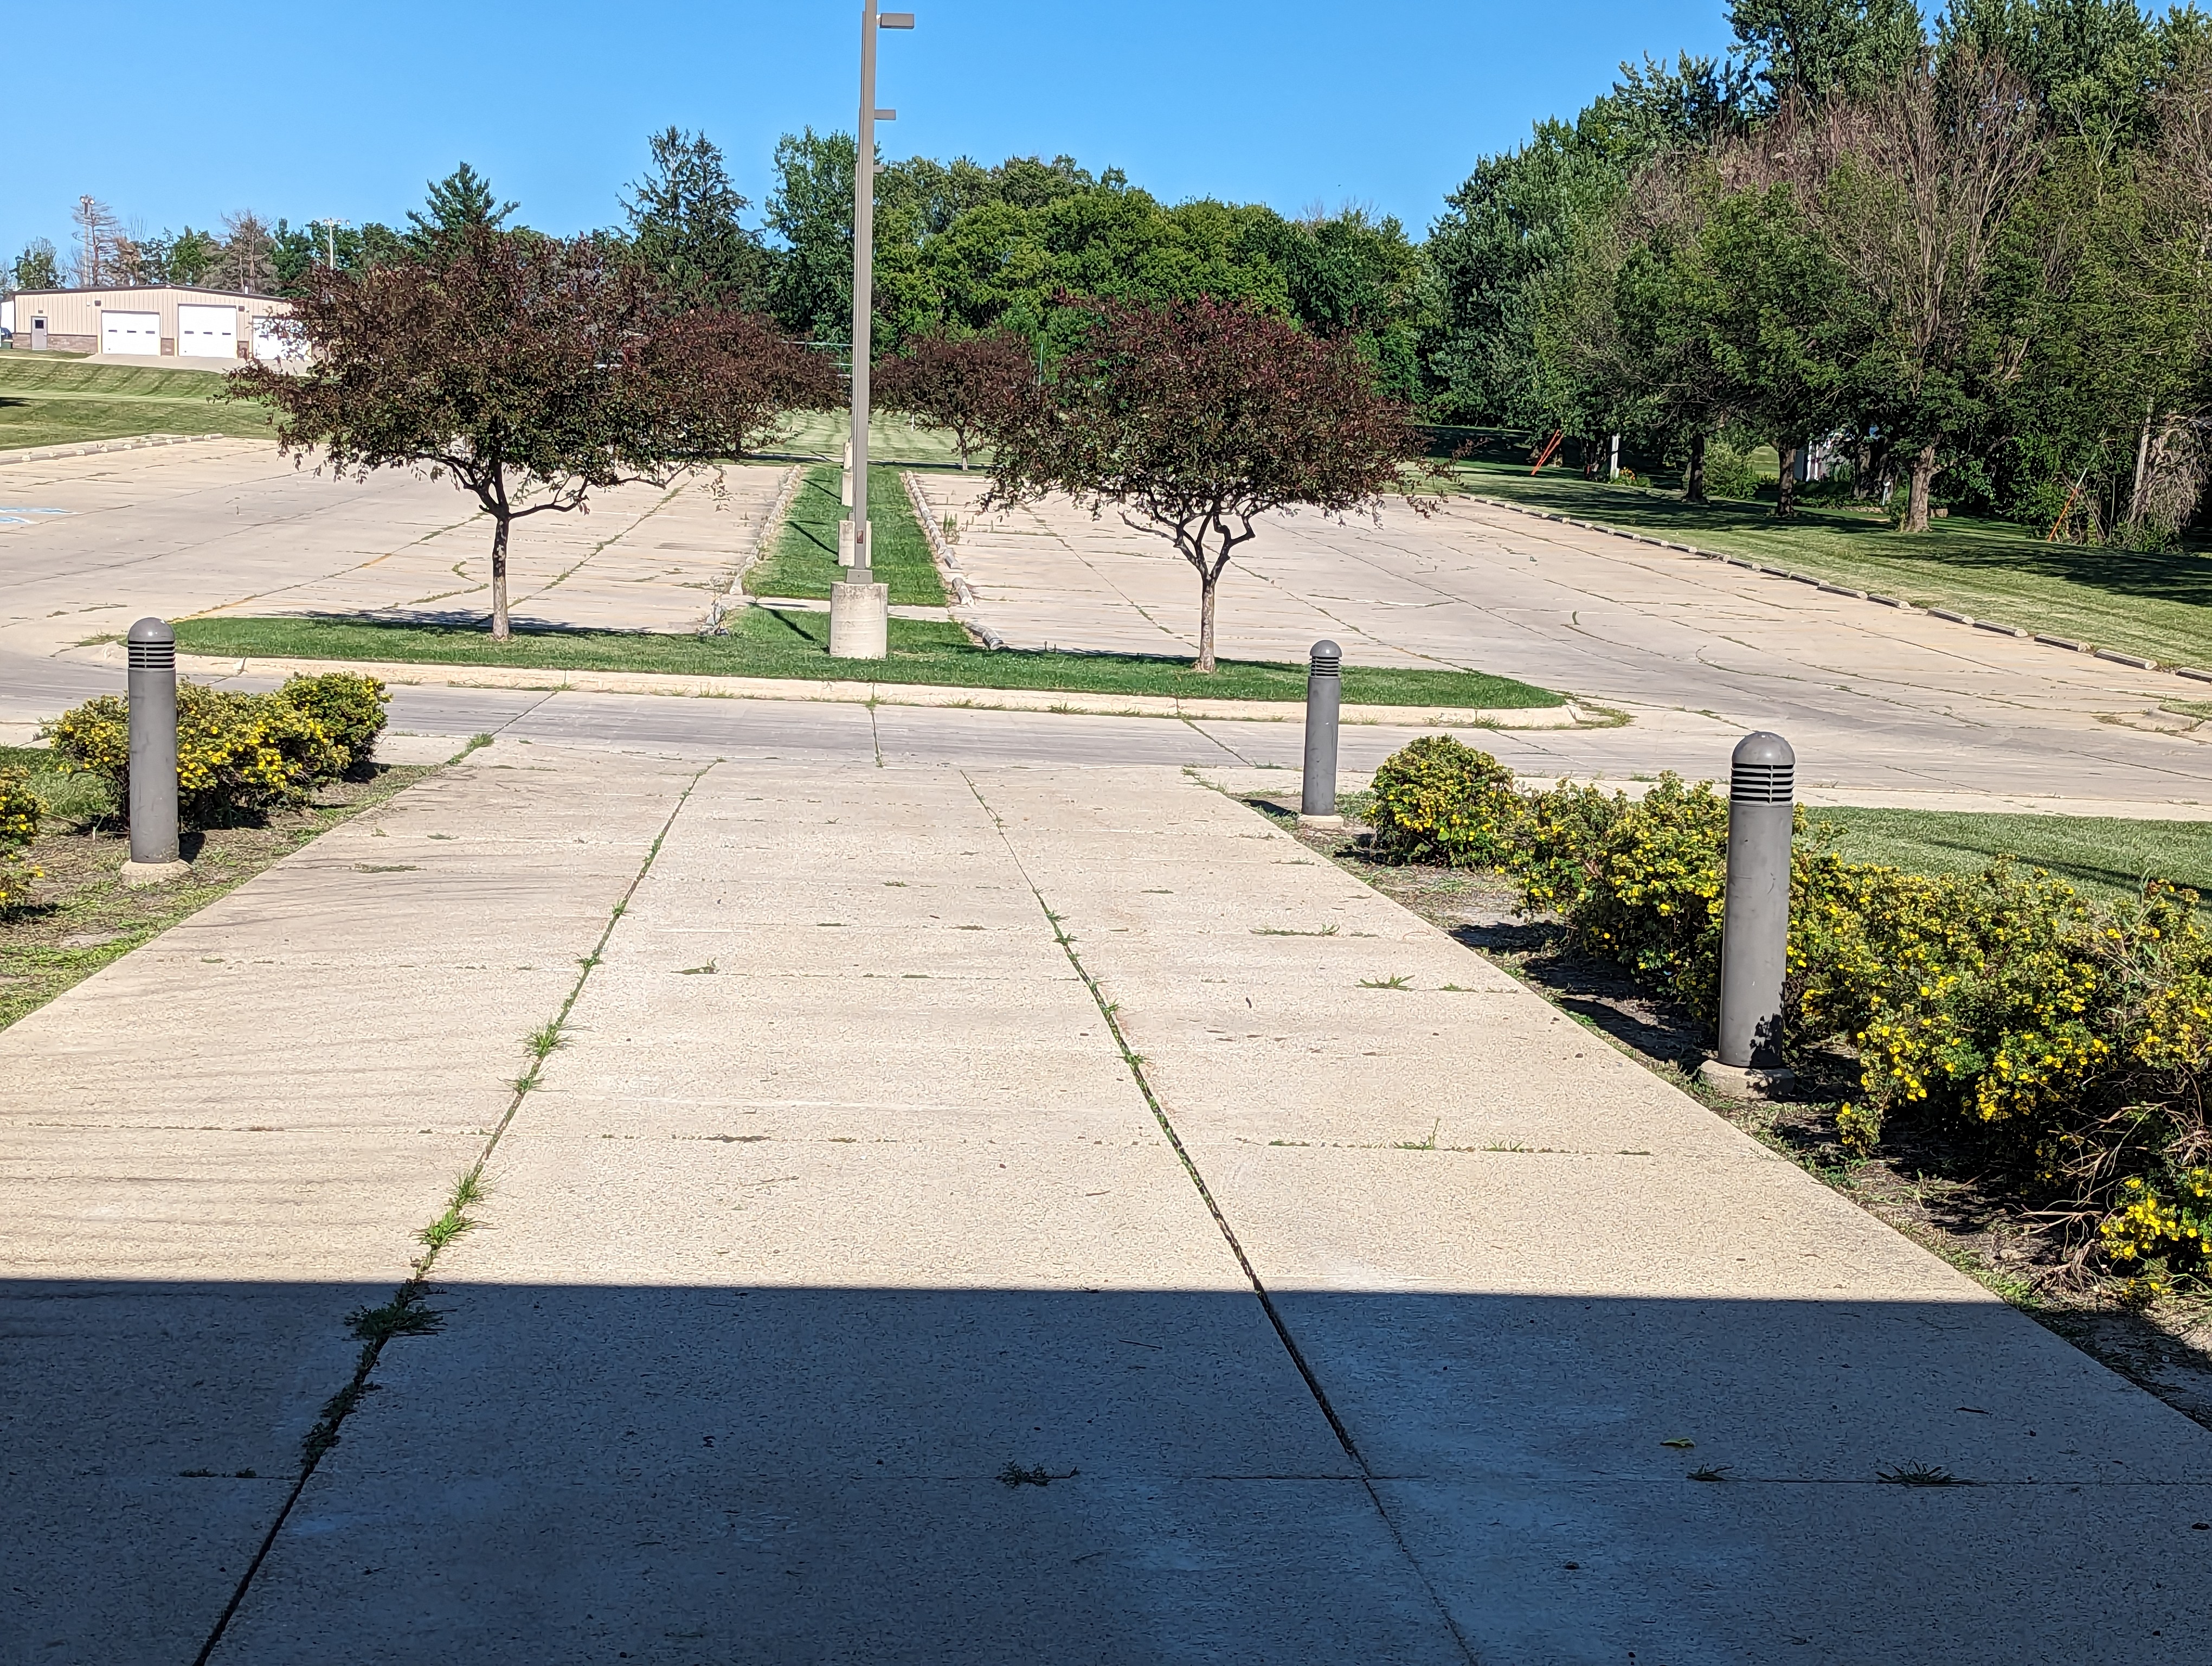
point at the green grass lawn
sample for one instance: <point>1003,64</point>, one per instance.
<point>891,440</point>
<point>2098,855</point>
<point>47,400</point>
<point>804,561</point>
<point>67,797</point>
<point>2155,605</point>
<point>773,642</point>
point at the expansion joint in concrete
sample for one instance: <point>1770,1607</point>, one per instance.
<point>1135,1064</point>
<point>404,1314</point>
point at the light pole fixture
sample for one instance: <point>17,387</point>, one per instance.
<point>330,223</point>
<point>860,608</point>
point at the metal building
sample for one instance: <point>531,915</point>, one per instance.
<point>163,321</point>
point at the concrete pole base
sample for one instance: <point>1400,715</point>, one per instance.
<point>860,621</point>
<point>138,875</point>
<point>1736,1081</point>
<point>1327,822</point>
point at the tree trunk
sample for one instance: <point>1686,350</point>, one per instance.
<point>1205,619</point>
<point>1916,498</point>
<point>2142,463</point>
<point>499,630</point>
<point>1785,483</point>
<point>1693,481</point>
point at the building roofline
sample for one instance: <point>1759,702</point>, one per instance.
<point>140,288</point>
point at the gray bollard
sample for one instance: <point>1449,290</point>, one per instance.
<point>153,688</point>
<point>1755,926</point>
<point>1324,698</point>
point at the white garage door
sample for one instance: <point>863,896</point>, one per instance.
<point>278,340</point>
<point>207,332</point>
<point>130,332</point>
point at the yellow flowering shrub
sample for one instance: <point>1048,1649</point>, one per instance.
<point>349,709</point>
<point>238,755</point>
<point>2162,1229</point>
<point>1440,800</point>
<point>1653,900</point>
<point>20,811</point>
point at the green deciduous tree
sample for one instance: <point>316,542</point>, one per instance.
<point>39,267</point>
<point>1817,49</point>
<point>810,215</point>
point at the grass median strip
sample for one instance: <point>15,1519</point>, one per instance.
<point>2151,604</point>
<point>773,642</point>
<point>805,560</point>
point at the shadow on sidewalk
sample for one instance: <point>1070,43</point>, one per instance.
<point>572,1472</point>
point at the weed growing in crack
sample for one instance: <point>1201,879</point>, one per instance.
<point>544,1039</point>
<point>1712,1472</point>
<point>1919,1475</point>
<point>447,1227</point>
<point>1401,982</point>
<point>1284,931</point>
<point>1014,1475</point>
<point>403,1315</point>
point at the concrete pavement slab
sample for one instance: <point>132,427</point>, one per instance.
<point>1865,692</point>
<point>230,526</point>
<point>1510,1334</point>
<point>815,1309</point>
<point>825,1339</point>
<point>225,1142</point>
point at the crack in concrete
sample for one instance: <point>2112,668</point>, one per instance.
<point>407,1298</point>
<point>1135,1064</point>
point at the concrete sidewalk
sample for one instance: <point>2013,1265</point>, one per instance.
<point>840,1295</point>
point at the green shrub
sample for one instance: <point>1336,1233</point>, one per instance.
<point>1440,800</point>
<point>20,812</point>
<point>1651,899</point>
<point>350,709</point>
<point>238,755</point>
<point>1728,472</point>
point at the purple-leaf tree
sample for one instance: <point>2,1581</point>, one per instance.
<point>1196,418</point>
<point>531,373</point>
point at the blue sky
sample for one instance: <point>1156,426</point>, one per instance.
<point>348,110</point>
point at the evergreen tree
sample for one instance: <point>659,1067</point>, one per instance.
<point>685,228</point>
<point>461,202</point>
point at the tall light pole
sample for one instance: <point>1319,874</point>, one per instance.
<point>860,627</point>
<point>330,225</point>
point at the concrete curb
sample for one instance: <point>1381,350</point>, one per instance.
<point>1951,615</point>
<point>770,522</point>
<point>948,565</point>
<point>91,448</point>
<point>552,679</point>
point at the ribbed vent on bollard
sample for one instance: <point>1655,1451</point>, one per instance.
<point>153,656</point>
<point>1763,783</point>
<point>1327,664</point>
